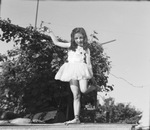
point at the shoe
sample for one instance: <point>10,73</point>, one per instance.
<point>74,121</point>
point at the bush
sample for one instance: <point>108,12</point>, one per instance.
<point>28,71</point>
<point>117,113</point>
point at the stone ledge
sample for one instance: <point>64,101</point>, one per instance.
<point>58,126</point>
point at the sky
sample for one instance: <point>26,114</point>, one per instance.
<point>125,21</point>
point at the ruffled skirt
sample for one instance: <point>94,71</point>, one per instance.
<point>76,71</point>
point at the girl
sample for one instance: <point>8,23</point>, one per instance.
<point>78,70</point>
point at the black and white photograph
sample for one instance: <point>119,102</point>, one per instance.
<point>74,64</point>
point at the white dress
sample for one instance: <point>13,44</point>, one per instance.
<point>76,68</point>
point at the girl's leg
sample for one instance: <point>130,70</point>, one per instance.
<point>83,83</point>
<point>74,85</point>
<point>85,87</point>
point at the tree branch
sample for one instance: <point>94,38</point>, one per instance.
<point>107,42</point>
<point>22,29</point>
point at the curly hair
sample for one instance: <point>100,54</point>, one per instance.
<point>85,39</point>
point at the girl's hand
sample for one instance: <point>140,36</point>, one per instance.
<point>46,31</point>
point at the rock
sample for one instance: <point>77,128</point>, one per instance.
<point>37,116</point>
<point>44,117</point>
<point>21,121</point>
<point>50,115</point>
<point>4,122</point>
<point>37,121</point>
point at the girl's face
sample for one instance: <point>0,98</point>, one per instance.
<point>78,38</point>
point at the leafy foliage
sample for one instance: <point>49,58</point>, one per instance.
<point>117,113</point>
<point>101,66</point>
<point>28,70</point>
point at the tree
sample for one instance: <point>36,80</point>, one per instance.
<point>28,73</point>
<point>117,113</point>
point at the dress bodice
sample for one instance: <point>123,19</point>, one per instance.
<point>77,56</point>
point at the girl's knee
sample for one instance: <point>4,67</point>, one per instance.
<point>83,85</point>
<point>83,89</point>
<point>77,96</point>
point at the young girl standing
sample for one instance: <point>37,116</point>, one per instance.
<point>78,70</point>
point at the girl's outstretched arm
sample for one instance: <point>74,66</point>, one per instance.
<point>56,42</point>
